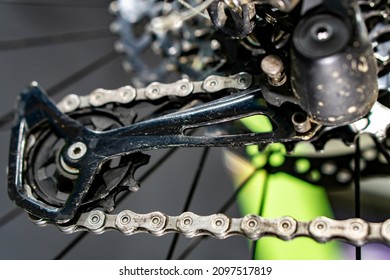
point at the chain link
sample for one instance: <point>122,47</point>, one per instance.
<point>128,94</point>
<point>322,229</point>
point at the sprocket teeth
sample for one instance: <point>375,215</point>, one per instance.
<point>128,183</point>
<point>109,202</point>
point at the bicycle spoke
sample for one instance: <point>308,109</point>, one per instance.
<point>6,119</point>
<point>68,81</point>
<point>191,247</point>
<point>357,158</point>
<point>189,199</point>
<point>83,72</point>
<point>71,245</point>
<point>55,39</point>
<point>228,203</point>
<point>10,216</point>
<point>382,149</point>
<point>155,166</point>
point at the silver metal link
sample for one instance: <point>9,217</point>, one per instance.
<point>69,104</point>
<point>216,83</point>
<point>355,230</point>
<point>180,88</point>
<point>128,94</point>
<point>94,221</point>
<point>123,95</point>
<point>191,225</point>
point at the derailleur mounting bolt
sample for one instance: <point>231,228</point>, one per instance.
<point>273,67</point>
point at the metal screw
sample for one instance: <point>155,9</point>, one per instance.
<point>77,150</point>
<point>273,67</point>
<point>322,32</point>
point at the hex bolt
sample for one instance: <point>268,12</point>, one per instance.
<point>273,67</point>
<point>77,150</point>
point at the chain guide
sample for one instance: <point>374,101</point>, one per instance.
<point>51,180</point>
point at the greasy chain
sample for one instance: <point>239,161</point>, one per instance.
<point>322,229</point>
<point>181,88</point>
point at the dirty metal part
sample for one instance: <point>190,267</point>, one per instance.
<point>273,67</point>
<point>301,122</point>
<point>333,67</point>
<point>321,229</point>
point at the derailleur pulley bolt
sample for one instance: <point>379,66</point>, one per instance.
<point>77,150</point>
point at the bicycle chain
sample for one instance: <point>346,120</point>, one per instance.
<point>322,229</point>
<point>180,88</point>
